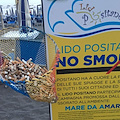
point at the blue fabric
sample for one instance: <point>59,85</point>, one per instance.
<point>18,86</point>
<point>11,22</point>
<point>34,50</point>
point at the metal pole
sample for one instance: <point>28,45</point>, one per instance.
<point>18,21</point>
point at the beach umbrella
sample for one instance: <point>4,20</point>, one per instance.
<point>1,10</point>
<point>34,12</point>
<point>39,9</point>
<point>24,14</point>
<point>16,12</point>
<point>1,17</point>
<point>12,11</point>
<point>6,12</point>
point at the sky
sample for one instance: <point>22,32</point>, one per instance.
<point>12,2</point>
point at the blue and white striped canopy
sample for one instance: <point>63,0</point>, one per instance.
<point>24,14</point>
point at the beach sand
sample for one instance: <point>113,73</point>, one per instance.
<point>15,106</point>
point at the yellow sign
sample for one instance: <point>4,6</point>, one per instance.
<point>88,92</point>
<point>87,75</point>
